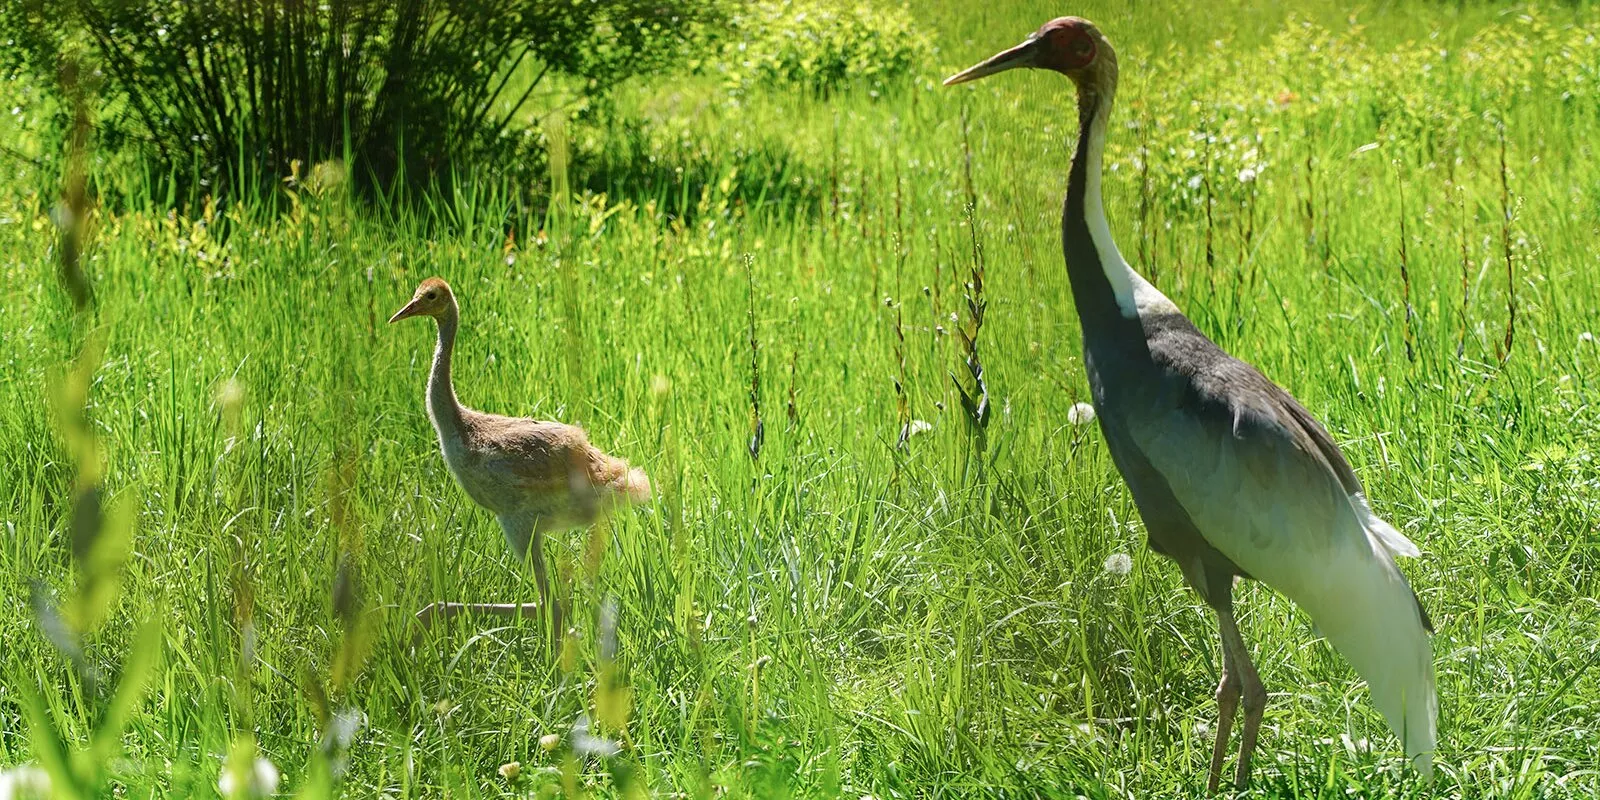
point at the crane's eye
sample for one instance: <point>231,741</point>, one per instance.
<point>432,295</point>
<point>1082,46</point>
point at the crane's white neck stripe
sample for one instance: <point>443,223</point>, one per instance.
<point>1133,293</point>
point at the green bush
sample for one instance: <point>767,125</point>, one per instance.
<point>224,91</point>
<point>818,45</point>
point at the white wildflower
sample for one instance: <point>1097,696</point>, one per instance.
<point>25,782</point>
<point>511,770</point>
<point>920,426</point>
<point>1247,175</point>
<point>549,742</point>
<point>1586,337</point>
<point>1080,414</point>
<point>261,780</point>
<point>1119,564</point>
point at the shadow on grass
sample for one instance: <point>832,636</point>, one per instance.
<point>687,175</point>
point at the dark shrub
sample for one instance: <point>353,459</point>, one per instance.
<point>225,90</point>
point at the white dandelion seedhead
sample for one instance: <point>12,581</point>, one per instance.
<point>25,782</point>
<point>1119,564</point>
<point>1080,414</point>
<point>1355,747</point>
<point>511,770</point>
<point>586,744</point>
<point>229,393</point>
<point>261,780</point>
<point>343,727</point>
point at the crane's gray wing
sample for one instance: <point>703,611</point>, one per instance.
<point>1393,540</point>
<point>1240,457</point>
<point>1323,442</point>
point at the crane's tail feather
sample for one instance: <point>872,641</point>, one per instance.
<point>633,486</point>
<point>1374,621</point>
<point>1393,540</point>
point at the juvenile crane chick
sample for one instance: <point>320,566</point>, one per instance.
<point>534,476</point>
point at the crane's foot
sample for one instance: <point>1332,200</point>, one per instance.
<point>430,615</point>
<point>433,611</point>
<point>438,614</point>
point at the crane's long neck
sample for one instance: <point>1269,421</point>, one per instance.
<point>443,408</point>
<point>1103,285</point>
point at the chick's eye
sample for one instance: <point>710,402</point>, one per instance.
<point>432,295</point>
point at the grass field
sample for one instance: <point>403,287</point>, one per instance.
<point>1355,203</point>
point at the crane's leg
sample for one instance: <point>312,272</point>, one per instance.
<point>1253,696</point>
<point>1216,588</point>
<point>437,613</point>
<point>526,540</point>
<point>541,578</point>
<point>1227,702</point>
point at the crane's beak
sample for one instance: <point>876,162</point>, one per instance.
<point>412,309</point>
<point>1023,55</point>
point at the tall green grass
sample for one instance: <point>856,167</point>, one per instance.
<point>838,615</point>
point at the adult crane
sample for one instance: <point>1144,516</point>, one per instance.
<point>1231,476</point>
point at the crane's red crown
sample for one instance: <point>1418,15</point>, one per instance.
<point>1068,44</point>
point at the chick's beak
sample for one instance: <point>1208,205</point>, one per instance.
<point>1022,55</point>
<point>411,310</point>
